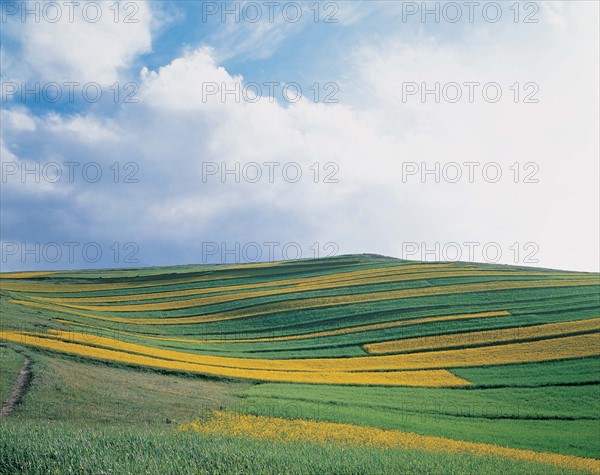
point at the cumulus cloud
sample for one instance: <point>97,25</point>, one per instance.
<point>86,42</point>
<point>176,129</point>
<point>86,128</point>
<point>18,119</point>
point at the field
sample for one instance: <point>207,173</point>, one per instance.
<point>352,364</point>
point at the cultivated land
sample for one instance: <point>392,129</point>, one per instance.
<point>353,364</point>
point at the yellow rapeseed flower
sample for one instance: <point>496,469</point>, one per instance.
<point>483,337</point>
<point>576,346</point>
<point>288,430</point>
<point>431,378</point>
<point>362,297</point>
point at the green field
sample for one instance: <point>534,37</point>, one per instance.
<point>10,364</point>
<point>504,359</point>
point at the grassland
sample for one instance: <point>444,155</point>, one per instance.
<point>490,369</point>
<point>10,364</point>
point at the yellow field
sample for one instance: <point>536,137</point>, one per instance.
<point>483,337</point>
<point>289,285</point>
<point>512,352</point>
<point>276,307</point>
<point>23,275</point>
<point>287,430</point>
<point>364,297</point>
<point>256,265</point>
<point>299,284</point>
<point>302,336</point>
<point>430,378</point>
<point>67,288</point>
<point>577,346</point>
<point>353,275</point>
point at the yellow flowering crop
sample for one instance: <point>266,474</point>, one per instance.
<point>287,430</point>
<point>23,275</point>
<point>254,265</point>
<point>576,346</point>
<point>298,284</point>
<point>430,378</point>
<point>66,288</point>
<point>483,337</point>
<point>363,297</point>
<point>285,286</point>
<point>277,307</point>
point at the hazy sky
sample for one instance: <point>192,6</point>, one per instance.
<point>154,133</point>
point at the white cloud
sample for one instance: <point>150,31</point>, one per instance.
<point>560,134</point>
<point>87,129</point>
<point>18,119</point>
<point>85,51</point>
<point>180,85</point>
<point>172,131</point>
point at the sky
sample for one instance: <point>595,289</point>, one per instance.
<point>165,133</point>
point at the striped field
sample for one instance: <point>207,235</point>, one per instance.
<point>389,353</point>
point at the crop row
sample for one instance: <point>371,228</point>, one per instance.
<point>576,346</point>
<point>296,284</point>
<point>286,430</point>
<point>219,299</point>
<point>431,378</point>
<point>484,337</point>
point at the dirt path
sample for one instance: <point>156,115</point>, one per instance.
<point>19,389</point>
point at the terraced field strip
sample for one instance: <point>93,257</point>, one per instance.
<point>303,336</point>
<point>257,265</point>
<point>311,303</point>
<point>287,430</point>
<point>577,346</point>
<point>427,378</point>
<point>370,296</point>
<point>211,300</point>
<point>530,403</point>
<point>335,275</point>
<point>216,274</point>
<point>56,308</point>
<point>30,287</point>
<point>296,284</point>
<point>362,277</point>
<point>23,275</point>
<point>484,337</point>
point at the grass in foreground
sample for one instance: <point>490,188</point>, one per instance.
<point>36,448</point>
<point>117,417</point>
<point>10,364</point>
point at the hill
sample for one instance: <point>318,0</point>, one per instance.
<point>447,366</point>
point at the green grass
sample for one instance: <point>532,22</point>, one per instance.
<point>559,419</point>
<point>68,390</point>
<point>44,448</point>
<point>87,416</point>
<point>577,371</point>
<point>10,364</point>
<point>93,418</point>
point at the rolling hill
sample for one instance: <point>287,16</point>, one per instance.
<point>349,364</point>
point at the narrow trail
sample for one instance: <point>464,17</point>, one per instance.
<point>19,389</point>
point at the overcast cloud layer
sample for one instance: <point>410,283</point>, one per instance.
<point>162,198</point>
